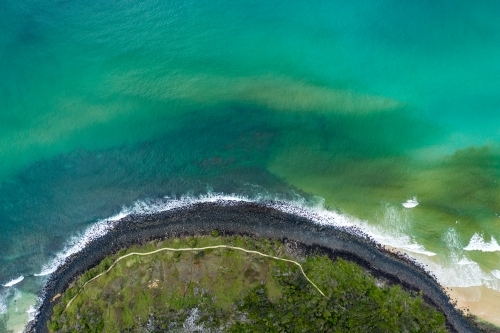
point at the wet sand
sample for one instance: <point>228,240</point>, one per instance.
<point>260,221</point>
<point>481,301</point>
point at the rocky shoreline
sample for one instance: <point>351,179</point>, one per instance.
<point>258,220</point>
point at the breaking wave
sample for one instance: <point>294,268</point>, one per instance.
<point>314,211</point>
<point>457,270</point>
<point>410,203</point>
<point>77,243</point>
<point>477,243</point>
<point>13,282</point>
<point>453,270</point>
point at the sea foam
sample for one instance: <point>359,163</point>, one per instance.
<point>315,211</point>
<point>457,270</point>
<point>100,228</point>
<point>13,281</point>
<point>477,243</point>
<point>410,203</point>
<point>31,312</point>
<point>385,236</point>
<point>453,270</point>
<point>77,243</point>
<point>5,295</point>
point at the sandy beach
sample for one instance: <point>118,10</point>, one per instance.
<point>481,301</point>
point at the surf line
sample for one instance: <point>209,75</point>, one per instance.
<point>13,282</point>
<point>194,249</point>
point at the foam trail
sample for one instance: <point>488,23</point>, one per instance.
<point>319,214</point>
<point>3,304</point>
<point>14,281</point>
<point>410,203</point>
<point>477,243</point>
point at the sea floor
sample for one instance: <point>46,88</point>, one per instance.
<point>20,309</point>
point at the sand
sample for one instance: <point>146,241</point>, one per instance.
<point>481,302</point>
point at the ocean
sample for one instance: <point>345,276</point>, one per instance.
<point>386,113</point>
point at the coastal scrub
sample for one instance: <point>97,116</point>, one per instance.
<point>227,290</point>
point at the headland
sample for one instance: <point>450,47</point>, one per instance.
<point>258,220</point>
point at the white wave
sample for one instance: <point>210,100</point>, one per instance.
<point>452,270</point>
<point>314,211</point>
<point>31,312</point>
<point>403,243</point>
<point>321,215</point>
<point>477,243</point>
<point>452,274</point>
<point>143,207</point>
<point>393,229</point>
<point>457,270</point>
<point>410,203</point>
<point>14,281</point>
<point>76,244</point>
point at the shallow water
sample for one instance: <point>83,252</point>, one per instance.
<point>362,106</point>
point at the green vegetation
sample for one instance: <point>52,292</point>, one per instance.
<point>229,290</point>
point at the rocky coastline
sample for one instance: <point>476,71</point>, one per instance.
<point>259,220</point>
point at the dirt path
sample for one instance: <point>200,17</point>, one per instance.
<point>193,249</point>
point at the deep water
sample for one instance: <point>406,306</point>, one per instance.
<point>361,105</point>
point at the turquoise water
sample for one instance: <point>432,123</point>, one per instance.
<point>364,105</point>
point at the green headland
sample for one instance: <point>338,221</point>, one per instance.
<point>281,287</point>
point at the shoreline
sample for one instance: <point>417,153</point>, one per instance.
<point>479,300</point>
<point>257,220</point>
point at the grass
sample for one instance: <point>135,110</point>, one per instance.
<point>236,292</point>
